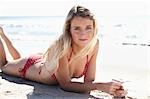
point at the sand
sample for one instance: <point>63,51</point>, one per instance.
<point>109,67</point>
<point>18,88</point>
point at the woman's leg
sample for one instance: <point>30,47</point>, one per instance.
<point>2,55</point>
<point>13,67</point>
<point>12,50</point>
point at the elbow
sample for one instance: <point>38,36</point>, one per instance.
<point>68,87</point>
<point>65,86</point>
<point>73,87</point>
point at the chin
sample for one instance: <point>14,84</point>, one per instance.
<point>83,45</point>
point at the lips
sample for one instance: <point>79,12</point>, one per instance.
<point>83,39</point>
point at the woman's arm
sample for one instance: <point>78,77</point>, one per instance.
<point>62,75</point>
<point>13,51</point>
<point>66,84</point>
<point>91,70</point>
<point>64,79</point>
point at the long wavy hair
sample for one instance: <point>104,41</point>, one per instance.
<point>62,45</point>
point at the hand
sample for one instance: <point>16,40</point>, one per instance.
<point>112,88</point>
<point>120,93</point>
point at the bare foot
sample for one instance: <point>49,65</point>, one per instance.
<point>1,31</point>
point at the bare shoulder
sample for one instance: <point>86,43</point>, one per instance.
<point>97,44</point>
<point>96,47</point>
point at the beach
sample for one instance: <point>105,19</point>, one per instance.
<point>136,80</point>
<point>18,88</point>
<point>122,55</point>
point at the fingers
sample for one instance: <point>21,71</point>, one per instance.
<point>113,87</point>
<point>120,93</point>
<point>117,85</point>
<point>117,89</point>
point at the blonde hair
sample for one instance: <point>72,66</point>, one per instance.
<point>61,46</point>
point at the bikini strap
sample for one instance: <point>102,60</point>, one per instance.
<point>87,64</point>
<point>70,54</point>
<point>87,59</point>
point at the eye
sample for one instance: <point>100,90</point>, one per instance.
<point>76,28</point>
<point>88,27</point>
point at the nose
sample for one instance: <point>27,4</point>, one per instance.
<point>83,32</point>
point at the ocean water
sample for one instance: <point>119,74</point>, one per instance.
<point>32,34</point>
<point>124,42</point>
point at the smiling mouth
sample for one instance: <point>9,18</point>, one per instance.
<point>83,39</point>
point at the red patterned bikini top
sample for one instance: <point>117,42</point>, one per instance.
<point>85,67</point>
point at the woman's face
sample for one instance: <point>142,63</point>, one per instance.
<point>82,31</point>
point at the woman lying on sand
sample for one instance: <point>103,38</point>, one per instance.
<point>73,55</point>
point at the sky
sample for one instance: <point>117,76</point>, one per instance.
<point>61,7</point>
